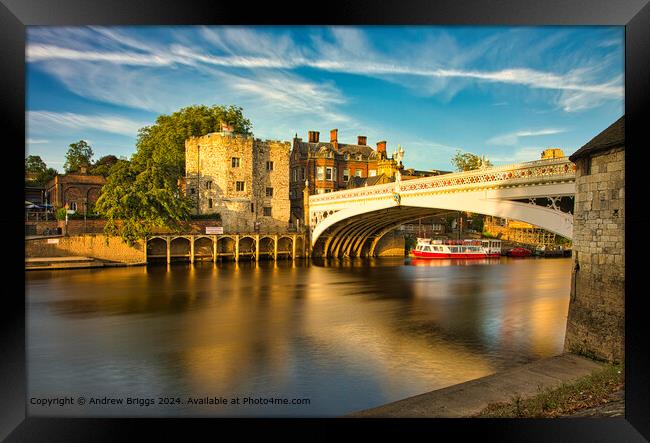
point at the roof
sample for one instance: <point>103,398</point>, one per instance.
<point>343,148</point>
<point>612,137</point>
<point>357,182</point>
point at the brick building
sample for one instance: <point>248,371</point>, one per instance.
<point>329,166</point>
<point>242,179</point>
<point>79,191</point>
<point>596,321</point>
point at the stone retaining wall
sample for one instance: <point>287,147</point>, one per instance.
<point>95,246</point>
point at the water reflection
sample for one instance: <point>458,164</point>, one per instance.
<point>347,334</point>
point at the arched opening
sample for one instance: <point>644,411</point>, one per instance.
<point>225,247</point>
<point>267,247</point>
<point>246,247</point>
<point>156,249</point>
<point>180,248</point>
<point>203,248</point>
<point>285,247</point>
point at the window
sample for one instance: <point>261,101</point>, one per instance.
<point>73,206</point>
<point>328,191</point>
<point>295,175</point>
<point>269,166</point>
<point>303,173</point>
<point>239,186</point>
<point>358,172</point>
<point>336,177</point>
<point>252,207</point>
<point>269,192</point>
<point>267,211</point>
<point>320,173</point>
<point>328,173</point>
<point>372,173</point>
<point>210,203</point>
<point>208,184</point>
<point>235,162</point>
<point>192,190</point>
<point>320,191</point>
<point>346,156</point>
<point>346,175</point>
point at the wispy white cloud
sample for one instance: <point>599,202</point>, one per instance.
<point>58,122</point>
<point>525,154</point>
<point>512,138</point>
<point>347,50</point>
<point>36,141</point>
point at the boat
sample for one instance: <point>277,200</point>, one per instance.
<point>519,252</point>
<point>470,248</point>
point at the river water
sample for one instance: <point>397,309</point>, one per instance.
<point>344,335</point>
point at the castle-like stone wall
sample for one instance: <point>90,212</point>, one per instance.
<point>211,180</point>
<point>596,322</point>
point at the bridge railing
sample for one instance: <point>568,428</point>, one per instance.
<point>540,170</point>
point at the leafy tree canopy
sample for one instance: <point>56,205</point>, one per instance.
<point>164,141</point>
<point>38,170</point>
<point>143,193</point>
<point>103,165</point>
<point>79,154</point>
<point>34,163</point>
<point>468,161</point>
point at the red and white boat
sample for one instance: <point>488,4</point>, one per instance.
<point>471,248</point>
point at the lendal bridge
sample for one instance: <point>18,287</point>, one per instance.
<point>350,223</point>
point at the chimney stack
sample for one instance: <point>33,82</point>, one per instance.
<point>314,136</point>
<point>334,135</point>
<point>226,127</point>
<point>361,140</point>
<point>381,149</point>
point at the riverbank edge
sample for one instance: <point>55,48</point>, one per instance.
<point>470,398</point>
<point>82,265</point>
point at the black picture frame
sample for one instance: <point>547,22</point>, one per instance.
<point>633,14</point>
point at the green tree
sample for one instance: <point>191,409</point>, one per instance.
<point>135,201</point>
<point>35,164</point>
<point>143,193</point>
<point>38,170</point>
<point>79,154</point>
<point>164,141</point>
<point>103,165</point>
<point>468,161</point>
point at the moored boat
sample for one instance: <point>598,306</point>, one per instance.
<point>470,248</point>
<point>519,252</point>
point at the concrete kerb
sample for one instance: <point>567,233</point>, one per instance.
<point>471,397</point>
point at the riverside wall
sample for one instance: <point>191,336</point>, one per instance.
<point>95,246</point>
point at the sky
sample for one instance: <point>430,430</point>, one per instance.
<point>503,92</point>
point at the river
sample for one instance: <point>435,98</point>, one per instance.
<point>345,336</point>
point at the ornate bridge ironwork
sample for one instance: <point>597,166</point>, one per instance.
<point>539,192</point>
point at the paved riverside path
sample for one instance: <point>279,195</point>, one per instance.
<point>469,398</point>
<point>71,262</point>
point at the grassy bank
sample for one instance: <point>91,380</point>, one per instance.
<point>588,392</point>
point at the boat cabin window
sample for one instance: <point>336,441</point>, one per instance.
<point>427,249</point>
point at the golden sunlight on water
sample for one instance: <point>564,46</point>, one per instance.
<point>346,335</point>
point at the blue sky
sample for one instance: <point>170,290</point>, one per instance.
<point>505,92</point>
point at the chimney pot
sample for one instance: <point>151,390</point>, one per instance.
<point>314,136</point>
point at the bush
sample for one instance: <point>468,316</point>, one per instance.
<point>60,214</point>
